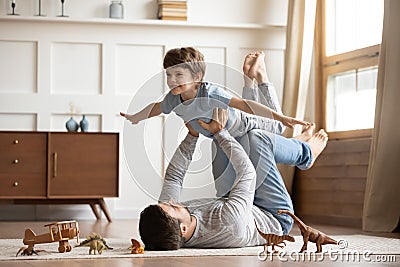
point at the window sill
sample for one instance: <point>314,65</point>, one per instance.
<point>364,133</point>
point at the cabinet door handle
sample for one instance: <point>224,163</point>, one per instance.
<point>54,164</point>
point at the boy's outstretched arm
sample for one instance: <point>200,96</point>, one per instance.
<point>258,109</point>
<point>151,110</point>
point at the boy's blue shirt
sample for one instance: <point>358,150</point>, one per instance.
<point>208,97</point>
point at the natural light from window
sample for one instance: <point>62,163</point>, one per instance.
<point>351,87</point>
<point>352,24</point>
<point>353,94</point>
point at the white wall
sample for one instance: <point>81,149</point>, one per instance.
<point>210,11</point>
<point>104,67</point>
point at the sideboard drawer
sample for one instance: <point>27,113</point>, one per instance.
<point>28,161</point>
<point>23,153</point>
<point>19,142</point>
<point>22,185</point>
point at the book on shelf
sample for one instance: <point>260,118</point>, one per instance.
<point>173,18</point>
<point>183,6</point>
<point>172,9</point>
<point>171,13</point>
<point>171,1</point>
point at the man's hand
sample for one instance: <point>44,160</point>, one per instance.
<point>218,122</point>
<point>191,130</point>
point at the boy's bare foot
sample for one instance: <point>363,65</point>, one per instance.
<point>317,144</point>
<point>258,70</point>
<point>306,134</point>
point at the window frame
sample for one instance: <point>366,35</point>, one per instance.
<point>335,64</point>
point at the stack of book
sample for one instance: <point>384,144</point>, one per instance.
<point>172,9</point>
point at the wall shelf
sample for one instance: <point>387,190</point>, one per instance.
<point>142,22</point>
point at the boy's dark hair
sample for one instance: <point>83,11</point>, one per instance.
<point>158,230</point>
<point>186,57</point>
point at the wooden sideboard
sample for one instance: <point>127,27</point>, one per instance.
<point>59,168</point>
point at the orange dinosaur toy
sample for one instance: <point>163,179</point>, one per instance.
<point>310,234</point>
<point>136,248</point>
<point>274,240</point>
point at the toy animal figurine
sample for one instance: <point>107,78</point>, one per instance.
<point>310,234</point>
<point>59,232</point>
<point>95,242</point>
<point>274,240</point>
<point>136,248</point>
<point>26,251</point>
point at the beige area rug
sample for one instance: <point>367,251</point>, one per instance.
<point>349,244</point>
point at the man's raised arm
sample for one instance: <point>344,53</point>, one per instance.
<point>241,197</point>
<point>177,168</point>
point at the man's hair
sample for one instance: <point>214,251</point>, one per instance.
<point>158,230</point>
<point>186,57</point>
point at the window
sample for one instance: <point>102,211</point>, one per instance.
<point>350,36</point>
<point>351,99</point>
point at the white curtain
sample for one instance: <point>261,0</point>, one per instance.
<point>382,196</point>
<point>298,59</point>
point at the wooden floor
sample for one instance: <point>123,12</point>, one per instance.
<point>128,229</point>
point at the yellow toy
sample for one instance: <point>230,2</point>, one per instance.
<point>95,242</point>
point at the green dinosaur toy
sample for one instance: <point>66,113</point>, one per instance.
<point>95,242</point>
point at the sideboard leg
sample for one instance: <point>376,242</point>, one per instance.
<point>95,210</point>
<point>104,208</point>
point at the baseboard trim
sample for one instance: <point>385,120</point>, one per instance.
<point>331,220</point>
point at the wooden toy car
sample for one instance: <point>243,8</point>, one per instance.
<point>59,232</point>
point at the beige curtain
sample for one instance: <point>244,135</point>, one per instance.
<point>298,59</point>
<point>382,195</point>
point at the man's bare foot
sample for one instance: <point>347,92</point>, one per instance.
<point>248,63</point>
<point>306,134</point>
<point>258,70</point>
<point>317,144</point>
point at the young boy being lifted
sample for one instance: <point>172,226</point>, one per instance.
<point>192,99</point>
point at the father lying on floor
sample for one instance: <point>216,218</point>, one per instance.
<point>227,222</point>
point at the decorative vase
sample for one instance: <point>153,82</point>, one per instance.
<point>72,125</point>
<point>116,10</point>
<point>84,124</point>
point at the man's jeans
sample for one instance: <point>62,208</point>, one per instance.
<point>265,150</point>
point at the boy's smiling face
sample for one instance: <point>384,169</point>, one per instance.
<point>180,81</point>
